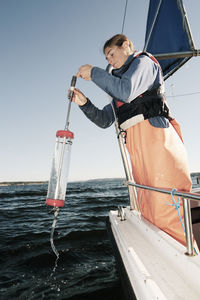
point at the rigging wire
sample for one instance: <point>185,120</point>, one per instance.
<point>182,95</point>
<point>124,16</point>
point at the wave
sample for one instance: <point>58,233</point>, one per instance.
<point>86,266</point>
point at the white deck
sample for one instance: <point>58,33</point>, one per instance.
<point>155,263</point>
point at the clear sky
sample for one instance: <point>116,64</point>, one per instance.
<point>43,43</point>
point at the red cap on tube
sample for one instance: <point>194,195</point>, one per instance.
<point>55,202</point>
<point>65,133</point>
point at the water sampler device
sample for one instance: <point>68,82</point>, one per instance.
<point>60,166</point>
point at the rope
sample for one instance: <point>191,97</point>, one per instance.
<point>56,211</point>
<point>177,206</point>
<point>124,16</point>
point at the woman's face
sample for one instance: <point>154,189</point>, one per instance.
<point>116,56</point>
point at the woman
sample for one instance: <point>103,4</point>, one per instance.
<point>153,138</point>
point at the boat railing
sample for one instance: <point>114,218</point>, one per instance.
<point>186,197</point>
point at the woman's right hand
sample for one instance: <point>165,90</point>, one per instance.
<point>78,97</point>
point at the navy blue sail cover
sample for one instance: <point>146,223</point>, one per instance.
<point>169,32</point>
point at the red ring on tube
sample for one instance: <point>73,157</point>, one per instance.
<point>65,133</point>
<point>55,202</point>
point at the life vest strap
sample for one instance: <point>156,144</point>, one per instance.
<point>147,105</point>
<point>151,104</point>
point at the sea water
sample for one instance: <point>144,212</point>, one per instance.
<point>86,268</point>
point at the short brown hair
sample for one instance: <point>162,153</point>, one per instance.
<point>117,40</point>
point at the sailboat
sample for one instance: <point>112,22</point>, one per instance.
<point>152,264</point>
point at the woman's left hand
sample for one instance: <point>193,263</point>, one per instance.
<point>85,72</point>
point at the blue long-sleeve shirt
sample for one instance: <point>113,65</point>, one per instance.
<point>124,84</point>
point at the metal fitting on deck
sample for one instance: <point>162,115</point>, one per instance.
<point>121,213</point>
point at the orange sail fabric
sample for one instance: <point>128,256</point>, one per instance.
<point>159,160</point>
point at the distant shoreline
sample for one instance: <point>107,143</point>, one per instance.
<point>11,183</point>
<point>22,183</point>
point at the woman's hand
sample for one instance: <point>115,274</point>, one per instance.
<point>85,72</point>
<point>78,97</point>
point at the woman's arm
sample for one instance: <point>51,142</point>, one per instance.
<point>118,88</point>
<point>101,117</point>
<point>143,74</point>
